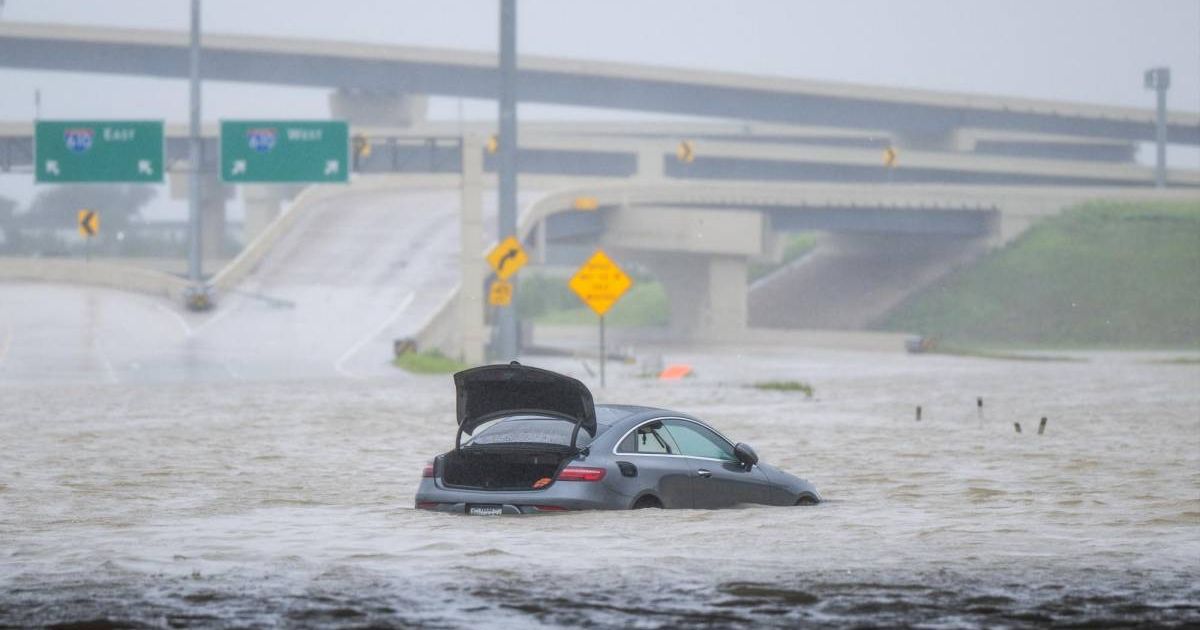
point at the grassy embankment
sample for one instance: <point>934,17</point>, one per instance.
<point>431,362</point>
<point>1102,275</point>
<point>547,300</point>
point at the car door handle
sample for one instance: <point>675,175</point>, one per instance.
<point>704,473</point>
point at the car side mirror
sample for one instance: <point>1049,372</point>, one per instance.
<point>745,454</point>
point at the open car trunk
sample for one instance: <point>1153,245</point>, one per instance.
<point>507,467</point>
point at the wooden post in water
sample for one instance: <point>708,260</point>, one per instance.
<point>1017,426</point>
<point>1042,426</point>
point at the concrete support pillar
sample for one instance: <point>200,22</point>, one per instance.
<point>262,206</point>
<point>378,108</point>
<point>726,297</point>
<point>650,162</point>
<point>706,294</point>
<point>470,294</point>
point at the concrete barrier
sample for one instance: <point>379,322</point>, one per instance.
<point>93,273</point>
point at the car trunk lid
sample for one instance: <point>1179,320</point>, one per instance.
<point>494,391</point>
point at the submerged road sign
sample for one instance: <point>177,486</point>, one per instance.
<point>285,151</point>
<point>507,257</point>
<point>75,151</point>
<point>89,223</point>
<point>600,283</point>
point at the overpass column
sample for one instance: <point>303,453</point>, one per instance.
<point>262,206</point>
<point>706,294</point>
<point>650,162</point>
<point>378,108</point>
<point>726,296</point>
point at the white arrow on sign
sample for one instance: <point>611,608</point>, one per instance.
<point>332,167</point>
<point>52,167</point>
<point>239,167</point>
<point>144,167</point>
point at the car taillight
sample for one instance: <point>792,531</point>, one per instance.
<point>427,471</point>
<point>579,473</point>
<point>426,505</point>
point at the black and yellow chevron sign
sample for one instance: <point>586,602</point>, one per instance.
<point>686,152</point>
<point>889,157</point>
<point>89,223</point>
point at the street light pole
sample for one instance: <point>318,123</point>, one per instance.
<point>197,296</point>
<point>1159,80</point>
<point>507,325</point>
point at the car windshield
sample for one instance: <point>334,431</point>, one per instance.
<point>531,430</point>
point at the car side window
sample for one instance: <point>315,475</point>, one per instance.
<point>648,439</point>
<point>697,441</point>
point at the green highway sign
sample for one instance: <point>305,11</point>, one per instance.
<point>73,151</point>
<point>285,151</point>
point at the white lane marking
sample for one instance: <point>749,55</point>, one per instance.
<point>188,331</point>
<point>404,304</point>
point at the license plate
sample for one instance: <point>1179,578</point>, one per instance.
<point>485,510</point>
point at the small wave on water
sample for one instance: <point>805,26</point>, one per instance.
<point>357,599</point>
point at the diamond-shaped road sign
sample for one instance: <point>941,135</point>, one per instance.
<point>507,257</point>
<point>600,282</point>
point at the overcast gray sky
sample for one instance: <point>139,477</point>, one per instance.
<point>1082,50</point>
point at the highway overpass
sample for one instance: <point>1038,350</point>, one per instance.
<point>372,73</point>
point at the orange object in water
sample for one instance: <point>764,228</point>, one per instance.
<point>674,372</point>
<point>542,483</point>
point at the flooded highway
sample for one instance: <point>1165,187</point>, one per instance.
<point>289,502</point>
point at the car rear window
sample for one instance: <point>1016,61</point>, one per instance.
<point>531,430</point>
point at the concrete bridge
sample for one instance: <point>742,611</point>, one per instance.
<point>376,84</point>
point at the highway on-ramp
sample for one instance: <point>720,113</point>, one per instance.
<point>354,272</point>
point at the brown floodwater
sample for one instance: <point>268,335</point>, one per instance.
<point>290,503</point>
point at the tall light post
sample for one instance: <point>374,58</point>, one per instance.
<point>197,297</point>
<point>506,321</point>
<point>1159,80</point>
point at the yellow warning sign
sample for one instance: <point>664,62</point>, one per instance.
<point>500,293</point>
<point>600,282</point>
<point>585,203</point>
<point>89,223</point>
<point>686,152</point>
<point>507,258</point>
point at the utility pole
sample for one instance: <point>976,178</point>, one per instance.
<point>1159,80</point>
<point>197,297</point>
<point>507,324</point>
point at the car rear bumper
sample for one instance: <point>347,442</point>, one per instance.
<point>559,497</point>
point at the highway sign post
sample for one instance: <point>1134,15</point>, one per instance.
<point>95,151</point>
<point>507,258</point>
<point>599,282</point>
<point>285,151</point>
<point>88,222</point>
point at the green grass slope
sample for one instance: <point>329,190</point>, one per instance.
<point>1100,275</point>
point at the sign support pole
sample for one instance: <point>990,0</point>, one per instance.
<point>603,354</point>
<point>507,324</point>
<point>194,219</point>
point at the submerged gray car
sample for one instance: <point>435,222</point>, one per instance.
<point>537,443</point>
